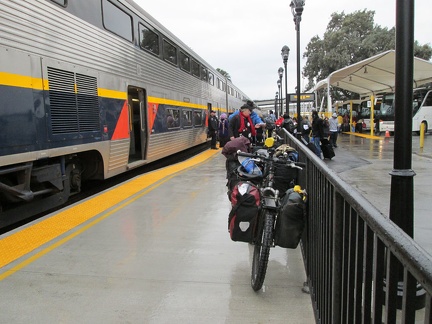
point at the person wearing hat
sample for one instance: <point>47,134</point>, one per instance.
<point>256,119</point>
<point>241,124</point>
<point>333,128</point>
<point>212,129</point>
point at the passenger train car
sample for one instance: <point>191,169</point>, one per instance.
<point>90,89</point>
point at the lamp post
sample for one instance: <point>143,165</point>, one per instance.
<point>276,103</point>
<point>279,83</point>
<point>285,54</point>
<point>297,10</point>
<point>280,72</point>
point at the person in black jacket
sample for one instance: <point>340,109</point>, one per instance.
<point>317,132</point>
<point>212,129</point>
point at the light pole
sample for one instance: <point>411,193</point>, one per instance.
<point>280,72</point>
<point>285,54</point>
<point>279,83</point>
<point>276,103</point>
<point>297,10</point>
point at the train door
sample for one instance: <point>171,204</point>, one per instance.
<point>137,123</point>
<point>209,109</point>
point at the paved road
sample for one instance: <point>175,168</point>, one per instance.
<point>365,164</point>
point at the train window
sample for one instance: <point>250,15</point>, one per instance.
<point>187,118</point>
<point>172,118</point>
<point>184,62</point>
<point>116,20</point>
<point>197,118</point>
<point>149,40</point>
<point>169,52</point>
<point>195,69</point>
<point>62,3</point>
<point>204,76</point>
<point>211,78</point>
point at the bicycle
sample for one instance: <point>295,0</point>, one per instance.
<point>270,207</point>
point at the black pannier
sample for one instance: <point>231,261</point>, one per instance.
<point>284,178</point>
<point>291,220</point>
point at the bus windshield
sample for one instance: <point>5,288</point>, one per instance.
<point>386,110</point>
<point>418,97</point>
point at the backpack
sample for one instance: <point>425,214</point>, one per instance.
<point>243,218</point>
<point>291,220</point>
<point>288,124</point>
<point>270,123</point>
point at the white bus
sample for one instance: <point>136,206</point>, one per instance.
<point>422,110</point>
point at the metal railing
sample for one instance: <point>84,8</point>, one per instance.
<point>360,266</point>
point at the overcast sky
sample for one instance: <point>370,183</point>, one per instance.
<point>245,37</point>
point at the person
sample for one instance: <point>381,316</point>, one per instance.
<point>288,123</point>
<point>359,126</point>
<point>241,124</point>
<point>333,128</point>
<point>346,125</point>
<point>223,130</point>
<point>306,128</point>
<point>212,129</point>
<point>326,127</point>
<point>294,119</point>
<point>317,132</point>
<point>256,119</point>
<point>377,124</point>
<point>272,116</point>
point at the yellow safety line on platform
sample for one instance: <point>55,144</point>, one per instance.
<point>364,135</point>
<point>18,244</point>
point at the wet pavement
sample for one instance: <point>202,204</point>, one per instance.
<point>162,256</point>
<point>365,164</point>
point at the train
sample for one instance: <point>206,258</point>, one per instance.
<point>90,89</point>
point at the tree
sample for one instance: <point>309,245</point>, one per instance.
<point>224,73</point>
<point>350,38</point>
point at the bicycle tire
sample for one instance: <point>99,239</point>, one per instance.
<point>262,251</point>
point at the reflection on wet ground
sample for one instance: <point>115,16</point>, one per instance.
<point>366,163</point>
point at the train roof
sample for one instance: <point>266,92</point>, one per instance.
<point>156,24</point>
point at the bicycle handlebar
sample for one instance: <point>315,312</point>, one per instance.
<point>263,158</point>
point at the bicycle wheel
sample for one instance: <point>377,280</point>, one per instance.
<point>262,251</point>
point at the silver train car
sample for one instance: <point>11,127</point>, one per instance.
<point>90,89</point>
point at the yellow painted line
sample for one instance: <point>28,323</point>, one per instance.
<point>107,93</point>
<point>19,244</point>
<point>23,81</point>
<point>175,103</point>
<point>365,135</point>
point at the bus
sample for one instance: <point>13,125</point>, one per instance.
<point>365,111</point>
<point>422,110</point>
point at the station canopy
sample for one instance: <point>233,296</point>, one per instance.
<point>375,75</point>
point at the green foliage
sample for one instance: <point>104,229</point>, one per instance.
<point>350,38</point>
<point>224,73</point>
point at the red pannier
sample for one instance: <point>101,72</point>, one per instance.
<point>243,218</point>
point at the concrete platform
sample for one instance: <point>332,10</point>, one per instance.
<point>154,250</point>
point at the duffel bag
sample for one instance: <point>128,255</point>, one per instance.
<point>291,220</point>
<point>243,218</point>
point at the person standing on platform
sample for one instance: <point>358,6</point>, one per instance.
<point>242,125</point>
<point>306,128</point>
<point>212,129</point>
<point>223,130</point>
<point>317,132</point>
<point>333,128</point>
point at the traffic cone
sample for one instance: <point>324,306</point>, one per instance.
<point>387,133</point>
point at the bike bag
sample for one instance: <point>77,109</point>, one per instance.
<point>243,218</point>
<point>291,220</point>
